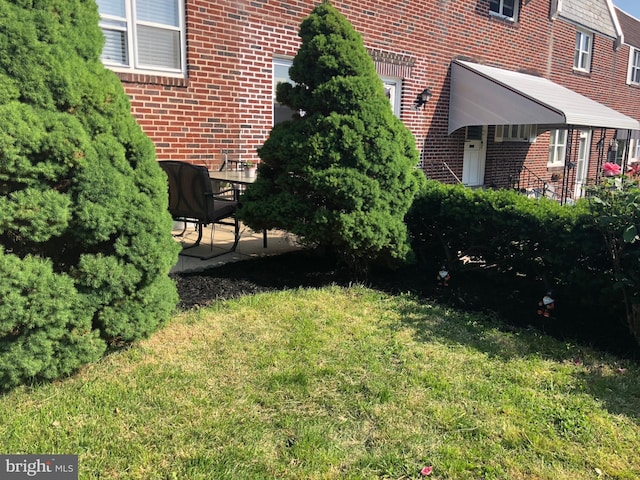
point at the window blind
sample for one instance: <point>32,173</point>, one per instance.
<point>158,47</point>
<point>111,7</point>
<point>164,12</point>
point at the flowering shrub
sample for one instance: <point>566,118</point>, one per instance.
<point>611,169</point>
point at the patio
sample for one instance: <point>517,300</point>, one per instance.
<point>249,246</point>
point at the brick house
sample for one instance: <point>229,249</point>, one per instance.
<point>533,94</point>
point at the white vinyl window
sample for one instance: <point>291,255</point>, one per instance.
<point>582,54</point>
<point>281,68</point>
<point>516,133</point>
<point>143,36</point>
<point>392,88</point>
<point>504,8</point>
<point>557,147</point>
<point>634,67</point>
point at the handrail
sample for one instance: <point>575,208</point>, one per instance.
<point>530,180</point>
<point>451,172</point>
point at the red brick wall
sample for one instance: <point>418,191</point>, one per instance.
<point>225,104</point>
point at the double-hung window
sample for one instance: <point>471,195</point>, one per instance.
<point>504,8</point>
<point>634,67</point>
<point>557,147</point>
<point>582,55</point>
<point>144,36</point>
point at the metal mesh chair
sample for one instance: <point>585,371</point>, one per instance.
<point>192,200</point>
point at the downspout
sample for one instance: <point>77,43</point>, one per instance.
<point>614,18</point>
<point>556,9</point>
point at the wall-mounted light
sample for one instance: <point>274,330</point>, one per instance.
<point>422,99</point>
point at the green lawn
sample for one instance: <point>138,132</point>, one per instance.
<point>337,383</point>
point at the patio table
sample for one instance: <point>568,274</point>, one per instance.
<point>238,180</point>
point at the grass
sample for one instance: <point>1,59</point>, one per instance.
<point>337,383</point>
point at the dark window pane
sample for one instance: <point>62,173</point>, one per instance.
<point>508,8</point>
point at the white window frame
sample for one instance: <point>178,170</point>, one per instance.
<point>633,75</point>
<point>557,147</point>
<point>283,63</point>
<point>130,25</point>
<point>393,90</point>
<point>635,150</point>
<point>583,53</point>
<point>501,9</point>
<point>516,133</point>
<point>392,85</point>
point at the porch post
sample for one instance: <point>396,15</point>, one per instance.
<point>568,166</point>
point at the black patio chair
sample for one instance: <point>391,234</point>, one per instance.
<point>192,200</point>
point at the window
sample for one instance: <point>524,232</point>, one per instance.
<point>582,55</point>
<point>281,113</point>
<point>392,88</point>
<point>557,147</point>
<point>635,150</point>
<point>515,133</point>
<point>504,8</point>
<point>143,35</point>
<point>281,68</point>
<point>634,67</point>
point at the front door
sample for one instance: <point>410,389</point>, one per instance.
<point>474,155</point>
<point>582,165</point>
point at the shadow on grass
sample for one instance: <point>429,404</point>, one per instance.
<point>613,383</point>
<point>486,303</point>
<point>513,300</point>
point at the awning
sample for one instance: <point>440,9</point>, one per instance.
<point>482,95</point>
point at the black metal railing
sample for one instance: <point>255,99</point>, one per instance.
<point>529,183</point>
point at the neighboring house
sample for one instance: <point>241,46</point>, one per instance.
<point>525,93</point>
<point>631,50</point>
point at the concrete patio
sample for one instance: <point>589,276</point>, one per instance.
<point>220,238</point>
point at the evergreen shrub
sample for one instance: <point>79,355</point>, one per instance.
<point>85,242</point>
<point>342,174</point>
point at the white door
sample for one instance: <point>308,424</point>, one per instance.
<point>582,165</point>
<point>475,143</point>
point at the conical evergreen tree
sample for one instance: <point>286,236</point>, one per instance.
<point>342,174</point>
<point>85,243</point>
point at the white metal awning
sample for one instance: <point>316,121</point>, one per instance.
<point>482,95</point>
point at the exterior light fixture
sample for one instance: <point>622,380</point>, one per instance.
<point>422,99</point>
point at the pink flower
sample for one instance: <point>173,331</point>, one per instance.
<point>426,471</point>
<point>634,169</point>
<point>611,169</point>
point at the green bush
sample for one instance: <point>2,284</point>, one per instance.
<point>84,229</point>
<point>615,212</point>
<point>500,227</point>
<point>343,174</point>
<point>571,250</point>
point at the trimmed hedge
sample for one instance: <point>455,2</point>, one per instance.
<point>85,235</point>
<point>560,248</point>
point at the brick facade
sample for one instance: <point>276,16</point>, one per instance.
<point>224,106</point>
